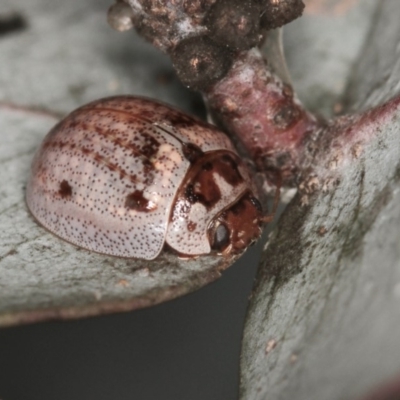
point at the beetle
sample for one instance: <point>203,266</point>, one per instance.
<point>131,177</point>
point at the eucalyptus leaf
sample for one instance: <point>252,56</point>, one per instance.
<point>324,318</point>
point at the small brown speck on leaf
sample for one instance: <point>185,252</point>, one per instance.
<point>322,231</point>
<point>271,344</point>
<point>123,283</point>
<point>293,358</point>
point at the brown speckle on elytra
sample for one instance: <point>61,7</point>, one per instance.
<point>130,176</point>
<point>65,189</point>
<point>191,226</point>
<point>137,201</point>
<point>191,152</point>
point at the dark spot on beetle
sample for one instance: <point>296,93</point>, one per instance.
<point>227,167</point>
<point>206,189</point>
<point>133,148</point>
<point>86,151</point>
<point>84,126</point>
<point>55,144</point>
<point>147,114</point>
<point>237,208</point>
<point>118,142</point>
<point>150,147</point>
<point>207,166</point>
<point>228,159</point>
<point>12,22</point>
<point>97,157</point>
<point>73,124</point>
<point>180,119</point>
<point>147,166</point>
<point>137,201</point>
<point>133,178</point>
<point>190,195</point>
<point>191,226</point>
<point>191,152</point>
<point>112,166</point>
<point>148,171</point>
<point>65,189</point>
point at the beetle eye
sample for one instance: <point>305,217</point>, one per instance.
<point>221,238</point>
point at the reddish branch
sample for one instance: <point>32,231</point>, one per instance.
<point>213,47</point>
<point>264,115</point>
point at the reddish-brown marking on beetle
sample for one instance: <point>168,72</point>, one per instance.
<point>137,201</point>
<point>191,152</point>
<point>242,230</point>
<point>200,185</point>
<point>151,146</point>
<point>65,189</point>
<point>191,226</point>
<point>226,166</point>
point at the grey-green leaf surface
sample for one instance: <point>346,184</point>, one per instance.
<point>322,47</point>
<point>324,318</point>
